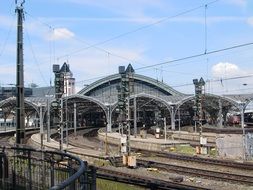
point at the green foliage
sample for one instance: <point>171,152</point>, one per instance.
<point>109,185</point>
<point>184,149</point>
<point>100,163</point>
<point>213,152</point>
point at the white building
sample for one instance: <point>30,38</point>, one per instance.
<point>69,81</point>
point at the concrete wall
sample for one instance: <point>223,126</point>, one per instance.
<point>230,146</point>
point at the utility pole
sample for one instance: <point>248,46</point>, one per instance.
<point>20,120</point>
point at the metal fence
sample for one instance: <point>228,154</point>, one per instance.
<point>26,168</point>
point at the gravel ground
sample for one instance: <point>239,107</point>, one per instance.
<point>211,184</point>
<point>199,165</point>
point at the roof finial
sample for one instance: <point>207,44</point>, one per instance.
<point>130,68</point>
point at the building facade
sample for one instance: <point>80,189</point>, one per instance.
<point>69,81</point>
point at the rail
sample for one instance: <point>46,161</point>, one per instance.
<point>27,168</point>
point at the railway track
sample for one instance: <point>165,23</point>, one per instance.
<point>197,172</point>
<point>5,136</point>
<point>197,159</point>
<point>179,157</point>
<point>151,183</point>
<point>188,158</point>
<point>203,173</point>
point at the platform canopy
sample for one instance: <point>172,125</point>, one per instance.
<point>103,93</point>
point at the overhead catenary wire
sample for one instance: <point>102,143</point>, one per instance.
<point>34,56</point>
<point>217,80</point>
<point>7,37</point>
<point>196,55</point>
<point>180,59</point>
<point>234,90</point>
<point>123,34</point>
<point>140,28</point>
<point>84,42</point>
<point>205,30</point>
<point>206,53</point>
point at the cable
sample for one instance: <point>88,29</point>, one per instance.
<point>138,29</point>
<point>84,42</point>
<point>176,60</point>
<point>7,37</point>
<point>34,57</point>
<point>234,90</point>
<point>124,34</point>
<point>216,80</point>
<point>90,79</point>
<point>196,55</point>
<point>205,30</point>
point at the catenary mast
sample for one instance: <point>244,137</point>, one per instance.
<point>20,121</point>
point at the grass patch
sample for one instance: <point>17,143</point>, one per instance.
<point>213,152</point>
<point>183,149</point>
<point>100,163</point>
<point>109,185</point>
<point>189,150</point>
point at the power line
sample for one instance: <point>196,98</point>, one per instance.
<point>7,37</point>
<point>84,42</point>
<point>234,90</point>
<point>217,80</point>
<point>34,57</point>
<point>138,29</point>
<point>205,30</point>
<point>91,79</point>
<point>162,63</point>
<point>196,55</point>
<point>123,34</point>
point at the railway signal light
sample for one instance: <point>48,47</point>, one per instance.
<point>59,129</point>
<point>59,84</point>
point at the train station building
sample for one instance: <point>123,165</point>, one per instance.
<point>149,101</point>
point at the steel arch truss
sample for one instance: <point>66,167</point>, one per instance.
<point>8,105</point>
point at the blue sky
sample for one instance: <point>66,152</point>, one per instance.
<point>141,32</point>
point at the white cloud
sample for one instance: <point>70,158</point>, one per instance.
<point>61,33</point>
<point>250,21</point>
<point>241,3</point>
<point>225,69</point>
<point>7,21</point>
<point>229,78</point>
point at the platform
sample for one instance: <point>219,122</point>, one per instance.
<point>82,153</point>
<point>149,143</point>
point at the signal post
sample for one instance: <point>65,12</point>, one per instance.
<point>124,116</point>
<point>57,105</point>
